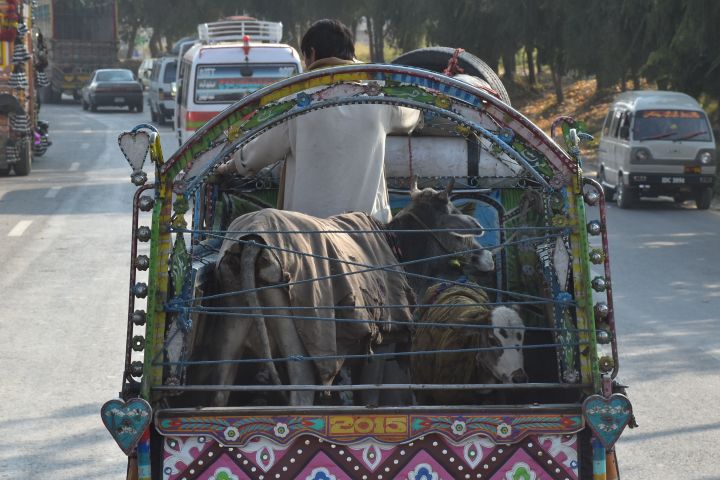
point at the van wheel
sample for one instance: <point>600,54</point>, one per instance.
<point>703,198</point>
<point>609,191</point>
<point>626,196</point>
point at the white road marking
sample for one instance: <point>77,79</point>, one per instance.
<point>20,228</point>
<point>52,193</point>
<point>75,166</point>
<point>84,146</point>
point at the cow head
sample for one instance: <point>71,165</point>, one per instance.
<point>506,363</point>
<point>432,210</point>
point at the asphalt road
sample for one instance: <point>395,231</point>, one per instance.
<point>65,233</point>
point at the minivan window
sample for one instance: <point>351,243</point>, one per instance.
<point>624,129</point>
<point>606,125</point>
<point>614,124</point>
<point>230,83</point>
<point>170,72</point>
<point>678,125</point>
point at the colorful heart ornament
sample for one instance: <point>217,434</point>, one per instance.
<point>607,417</point>
<point>126,421</point>
<point>135,147</point>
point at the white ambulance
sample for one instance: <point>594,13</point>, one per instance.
<point>233,58</point>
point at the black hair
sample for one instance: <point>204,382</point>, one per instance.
<point>329,38</point>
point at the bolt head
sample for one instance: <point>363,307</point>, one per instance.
<point>603,337</point>
<point>606,364</point>
<point>138,178</point>
<point>596,257</point>
<point>140,290</point>
<point>136,368</point>
<point>139,317</point>
<point>143,233</point>
<point>142,262</point>
<point>594,227</point>
<point>591,197</point>
<point>138,343</point>
<point>602,310</point>
<point>146,203</point>
<point>599,284</point>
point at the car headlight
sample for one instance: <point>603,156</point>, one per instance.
<point>706,158</point>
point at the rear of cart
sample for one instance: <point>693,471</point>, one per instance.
<point>552,261</point>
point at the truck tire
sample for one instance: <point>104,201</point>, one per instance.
<point>436,59</point>
<point>703,198</point>
<point>23,167</point>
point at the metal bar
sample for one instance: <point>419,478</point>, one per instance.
<point>390,386</point>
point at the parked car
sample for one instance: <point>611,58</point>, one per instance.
<point>144,72</point>
<point>657,143</point>
<point>161,94</point>
<point>112,87</point>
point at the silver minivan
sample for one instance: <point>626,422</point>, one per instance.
<point>657,143</point>
<point>161,94</point>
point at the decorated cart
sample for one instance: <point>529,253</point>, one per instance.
<point>543,221</point>
<point>22,134</point>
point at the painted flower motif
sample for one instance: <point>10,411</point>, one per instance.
<point>458,427</point>
<point>303,99</point>
<point>223,473</point>
<point>281,430</point>
<point>504,430</point>
<point>231,433</point>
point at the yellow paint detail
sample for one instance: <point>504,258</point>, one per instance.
<point>315,82</point>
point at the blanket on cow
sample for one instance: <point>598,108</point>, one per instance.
<point>340,255</point>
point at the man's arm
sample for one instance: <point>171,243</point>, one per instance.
<point>270,147</point>
<point>403,120</point>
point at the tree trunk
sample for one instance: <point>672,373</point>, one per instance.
<point>379,39</point>
<point>635,79</point>
<point>371,36</point>
<point>153,44</point>
<point>557,83</point>
<point>132,35</point>
<point>508,59</point>
<point>531,65</point>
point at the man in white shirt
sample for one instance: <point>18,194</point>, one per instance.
<point>334,158</point>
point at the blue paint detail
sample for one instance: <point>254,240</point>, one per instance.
<point>424,474</point>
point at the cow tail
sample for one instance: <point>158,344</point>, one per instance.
<point>248,260</point>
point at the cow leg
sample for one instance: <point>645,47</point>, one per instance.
<point>289,344</point>
<point>229,348</point>
<point>372,374</point>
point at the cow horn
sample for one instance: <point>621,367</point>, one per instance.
<point>449,187</point>
<point>413,185</point>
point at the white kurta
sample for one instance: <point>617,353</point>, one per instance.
<point>335,158</point>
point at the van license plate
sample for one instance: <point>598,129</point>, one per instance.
<point>674,180</point>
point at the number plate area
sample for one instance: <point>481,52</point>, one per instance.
<point>672,180</point>
<point>313,447</point>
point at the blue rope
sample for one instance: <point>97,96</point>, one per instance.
<point>303,358</point>
<point>367,268</point>
<point>368,232</point>
<point>175,306</point>
<point>384,322</point>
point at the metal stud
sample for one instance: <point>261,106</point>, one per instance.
<point>591,197</point>
<point>599,284</point>
<point>143,233</point>
<point>146,203</point>
<point>138,178</point>
<point>601,310</point>
<point>140,290</point>
<point>142,262</point>
<point>139,317</point>
<point>606,364</point>
<point>138,343</point>
<point>136,368</point>
<point>603,337</point>
<point>594,227</point>
<point>596,256</point>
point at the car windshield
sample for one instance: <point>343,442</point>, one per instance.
<point>230,83</point>
<point>677,125</point>
<point>170,72</point>
<point>114,76</point>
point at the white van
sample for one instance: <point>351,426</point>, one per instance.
<point>234,58</point>
<point>657,143</point>
<point>161,97</point>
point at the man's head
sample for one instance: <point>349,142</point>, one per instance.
<point>327,38</point>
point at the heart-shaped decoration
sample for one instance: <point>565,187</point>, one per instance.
<point>607,417</point>
<point>126,421</point>
<point>135,147</point>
